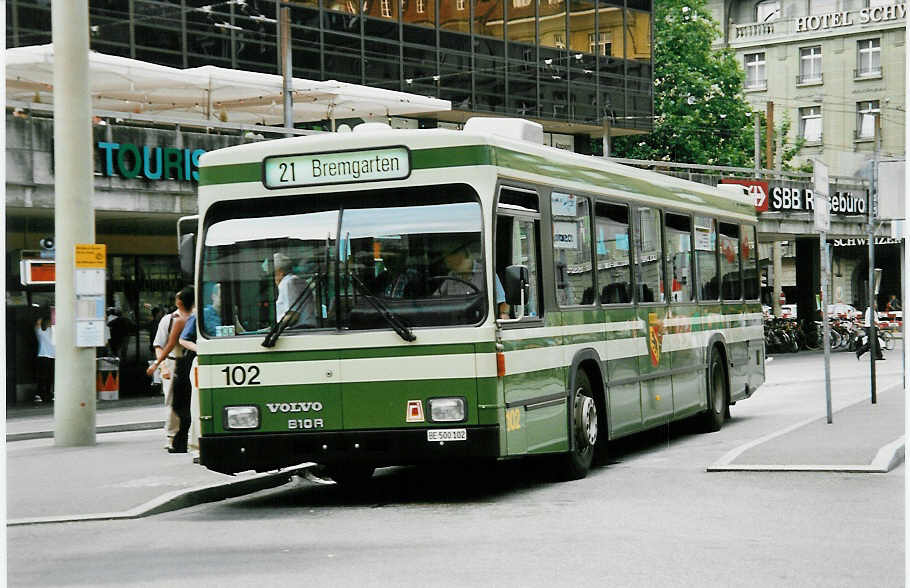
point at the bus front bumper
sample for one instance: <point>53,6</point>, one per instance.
<point>262,452</point>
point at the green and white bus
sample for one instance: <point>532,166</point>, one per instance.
<point>387,297</point>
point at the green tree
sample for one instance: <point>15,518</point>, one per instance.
<point>700,113</point>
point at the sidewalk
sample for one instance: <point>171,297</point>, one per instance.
<point>127,474</point>
<point>862,437</point>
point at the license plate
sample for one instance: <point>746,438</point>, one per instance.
<point>447,435</point>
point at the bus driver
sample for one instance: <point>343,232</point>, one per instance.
<point>469,273</point>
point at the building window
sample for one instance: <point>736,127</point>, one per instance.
<point>810,124</point>
<point>599,45</point>
<point>869,58</point>
<point>459,4</point>
<point>867,113</point>
<point>520,3</point>
<point>817,7</point>
<point>421,6</point>
<point>810,64</point>
<point>559,40</point>
<point>767,11</point>
<point>386,6</point>
<point>755,71</point>
<point>874,3</point>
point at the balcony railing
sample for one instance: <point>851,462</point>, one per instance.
<point>756,86</point>
<point>813,79</point>
<point>753,30</point>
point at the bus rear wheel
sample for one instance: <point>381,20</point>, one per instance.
<point>584,430</point>
<point>713,418</point>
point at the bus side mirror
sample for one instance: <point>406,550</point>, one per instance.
<point>187,254</point>
<point>517,285</point>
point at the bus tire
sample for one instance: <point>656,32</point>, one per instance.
<point>584,429</point>
<point>713,418</point>
<point>350,475</point>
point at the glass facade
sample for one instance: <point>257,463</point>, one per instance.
<point>575,61</point>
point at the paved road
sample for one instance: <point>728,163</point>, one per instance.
<point>653,516</point>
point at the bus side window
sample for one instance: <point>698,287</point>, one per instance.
<point>678,231</point>
<point>649,256</point>
<point>750,263</point>
<point>706,257</point>
<point>517,243</point>
<point>572,249</point>
<point>611,246</point>
<point>731,284</point>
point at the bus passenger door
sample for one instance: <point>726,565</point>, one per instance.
<point>654,364</point>
<point>614,280</point>
<point>680,340</point>
<point>533,388</point>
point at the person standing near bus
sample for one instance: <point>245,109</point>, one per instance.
<point>186,400</point>
<point>182,387</point>
<point>44,363</point>
<point>861,349</point>
<point>167,351</point>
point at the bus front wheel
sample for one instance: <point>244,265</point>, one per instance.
<point>713,418</point>
<point>584,430</point>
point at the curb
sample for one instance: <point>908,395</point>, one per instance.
<point>143,426</point>
<point>886,459</point>
<point>180,499</point>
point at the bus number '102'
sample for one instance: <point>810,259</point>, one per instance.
<point>241,376</point>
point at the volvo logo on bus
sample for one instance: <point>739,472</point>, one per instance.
<point>287,407</point>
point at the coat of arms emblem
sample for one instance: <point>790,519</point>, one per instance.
<point>655,338</point>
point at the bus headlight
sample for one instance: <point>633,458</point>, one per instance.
<point>446,410</point>
<point>241,417</point>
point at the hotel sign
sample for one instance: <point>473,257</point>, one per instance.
<point>848,18</point>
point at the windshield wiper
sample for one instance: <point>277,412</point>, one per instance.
<point>396,322</point>
<point>292,312</point>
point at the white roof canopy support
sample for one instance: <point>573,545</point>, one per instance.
<point>120,84</point>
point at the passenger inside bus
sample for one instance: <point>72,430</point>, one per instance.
<point>290,288</point>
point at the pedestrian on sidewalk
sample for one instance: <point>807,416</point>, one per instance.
<point>182,386</point>
<point>871,316</point>
<point>44,363</point>
<point>188,341</point>
<point>166,352</point>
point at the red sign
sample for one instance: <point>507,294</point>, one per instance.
<point>758,190</point>
<point>37,271</point>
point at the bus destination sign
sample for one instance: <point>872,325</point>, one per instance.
<point>288,171</point>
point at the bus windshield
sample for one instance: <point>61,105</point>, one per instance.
<point>364,260</point>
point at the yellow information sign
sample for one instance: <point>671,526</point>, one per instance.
<point>90,255</point>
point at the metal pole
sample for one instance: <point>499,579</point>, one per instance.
<point>823,245</point>
<point>769,134</point>
<point>284,17</point>
<point>74,219</point>
<point>607,137</point>
<point>873,195</point>
<point>756,123</point>
<point>776,255</point>
<point>903,238</point>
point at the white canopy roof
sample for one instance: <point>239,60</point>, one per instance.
<point>203,93</point>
